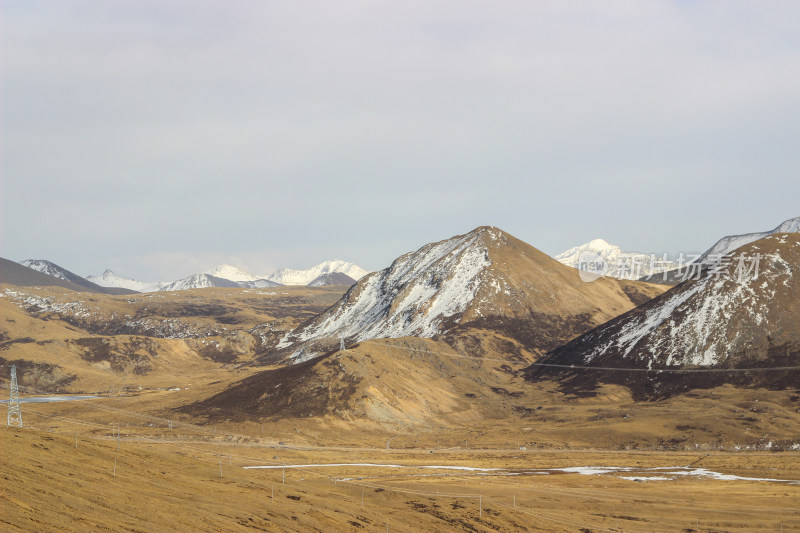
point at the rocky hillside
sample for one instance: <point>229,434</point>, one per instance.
<point>743,313</point>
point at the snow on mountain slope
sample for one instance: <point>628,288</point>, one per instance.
<point>412,297</point>
<point>199,281</point>
<point>231,273</point>
<point>486,278</point>
<point>287,276</point>
<point>728,318</point>
<point>620,265</point>
<point>47,267</point>
<point>52,269</point>
<point>334,278</point>
<point>731,242</point>
<point>258,284</point>
<point>110,279</point>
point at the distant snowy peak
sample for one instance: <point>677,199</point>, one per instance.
<point>613,261</point>
<point>287,276</point>
<point>111,279</point>
<point>731,242</point>
<point>47,267</point>
<point>572,256</point>
<point>199,281</point>
<point>231,273</point>
<point>52,269</point>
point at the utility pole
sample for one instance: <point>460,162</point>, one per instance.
<point>14,410</point>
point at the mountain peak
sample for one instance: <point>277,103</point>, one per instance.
<point>485,276</point>
<point>288,276</point>
<point>109,278</point>
<point>51,269</point>
<point>619,264</point>
<point>599,243</point>
<point>231,273</point>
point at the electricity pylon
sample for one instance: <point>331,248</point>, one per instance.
<point>14,411</point>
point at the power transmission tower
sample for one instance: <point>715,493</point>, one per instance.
<point>14,411</point>
<point>341,345</point>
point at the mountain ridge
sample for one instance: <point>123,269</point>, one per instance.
<point>109,278</point>
<point>716,322</point>
<point>51,269</point>
<point>483,278</point>
<point>288,276</point>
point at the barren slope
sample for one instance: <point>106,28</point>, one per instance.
<point>80,341</point>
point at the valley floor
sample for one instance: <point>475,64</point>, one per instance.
<point>68,471</point>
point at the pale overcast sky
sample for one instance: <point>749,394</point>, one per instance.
<point>160,138</point>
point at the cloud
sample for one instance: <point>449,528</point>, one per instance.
<point>372,127</point>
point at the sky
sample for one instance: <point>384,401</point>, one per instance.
<point>159,139</point>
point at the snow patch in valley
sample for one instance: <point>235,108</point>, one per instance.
<point>640,474</point>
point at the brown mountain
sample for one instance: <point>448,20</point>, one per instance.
<point>484,294</point>
<point>41,273</point>
<point>482,280</point>
<point>735,317</point>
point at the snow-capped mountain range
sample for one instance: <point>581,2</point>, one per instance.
<point>609,260</point>
<point>231,273</point>
<point>224,275</point>
<point>111,279</point>
<point>51,269</point>
<point>198,281</point>
<point>287,276</point>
